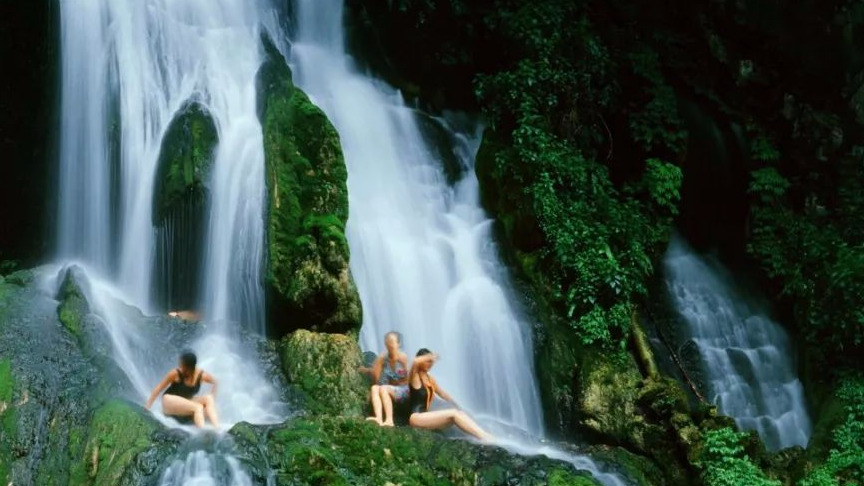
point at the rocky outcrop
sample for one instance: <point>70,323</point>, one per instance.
<point>179,202</point>
<point>337,450</point>
<point>184,161</point>
<point>59,422</point>
<point>326,368</point>
<point>308,278</point>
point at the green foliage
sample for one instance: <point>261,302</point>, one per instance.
<point>663,181</point>
<point>845,462</point>
<point>598,240</point>
<point>657,124</point>
<point>724,462</point>
<point>819,268</point>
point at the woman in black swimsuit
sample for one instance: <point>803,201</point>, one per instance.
<point>182,384</point>
<point>422,389</point>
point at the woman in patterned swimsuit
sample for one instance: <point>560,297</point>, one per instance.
<point>390,374</point>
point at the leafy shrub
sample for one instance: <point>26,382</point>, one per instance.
<point>845,463</point>
<point>724,462</point>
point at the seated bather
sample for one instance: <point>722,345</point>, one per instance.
<point>389,372</point>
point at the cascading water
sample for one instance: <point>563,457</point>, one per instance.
<point>422,252</point>
<point>128,67</point>
<point>746,357</point>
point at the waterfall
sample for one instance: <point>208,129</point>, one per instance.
<point>422,252</point>
<point>746,357</point>
<point>129,67</point>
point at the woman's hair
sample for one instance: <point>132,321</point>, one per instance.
<point>396,334</point>
<point>188,360</point>
<point>423,352</point>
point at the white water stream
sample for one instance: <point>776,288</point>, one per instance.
<point>746,357</point>
<point>422,251</point>
<point>128,67</point>
<point>423,255</point>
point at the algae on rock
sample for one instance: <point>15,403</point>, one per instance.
<point>184,160</point>
<point>341,451</point>
<point>310,285</point>
<point>180,198</point>
<point>326,367</point>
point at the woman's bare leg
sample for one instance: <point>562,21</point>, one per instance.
<point>387,400</point>
<point>376,404</point>
<point>179,406</point>
<point>444,418</point>
<point>209,408</point>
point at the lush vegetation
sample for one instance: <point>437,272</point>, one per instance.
<point>724,462</point>
<point>310,285</point>
<point>601,212</point>
<point>845,461</point>
<point>739,122</point>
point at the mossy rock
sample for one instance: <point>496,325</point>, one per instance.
<point>326,368</point>
<point>121,446</point>
<point>308,278</point>
<point>7,419</point>
<point>607,391</point>
<point>342,451</point>
<point>73,307</point>
<point>184,161</point>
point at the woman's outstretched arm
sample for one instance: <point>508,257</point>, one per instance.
<point>445,396</point>
<point>208,378</point>
<point>169,377</point>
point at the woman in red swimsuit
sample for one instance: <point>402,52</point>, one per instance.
<point>183,383</point>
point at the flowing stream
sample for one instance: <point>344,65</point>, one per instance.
<point>746,357</point>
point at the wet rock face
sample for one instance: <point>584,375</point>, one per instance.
<point>59,419</point>
<point>325,368</point>
<point>308,279</point>
<point>180,199</point>
<point>337,450</point>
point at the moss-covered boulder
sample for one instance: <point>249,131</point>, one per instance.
<point>58,424</point>
<point>179,204</point>
<point>122,446</point>
<point>184,161</point>
<point>73,307</point>
<point>341,451</point>
<point>308,278</point>
<point>326,368</point>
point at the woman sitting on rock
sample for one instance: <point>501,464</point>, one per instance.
<point>390,375</point>
<point>183,383</point>
<point>422,390</point>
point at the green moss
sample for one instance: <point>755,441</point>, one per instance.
<point>308,207</point>
<point>336,450</point>
<point>184,159</point>
<point>116,436</point>
<point>73,305</point>
<point>8,422</point>
<point>326,368</point>
<point>640,470</point>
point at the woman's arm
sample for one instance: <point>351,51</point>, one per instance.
<point>208,378</point>
<point>169,377</point>
<point>445,396</point>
